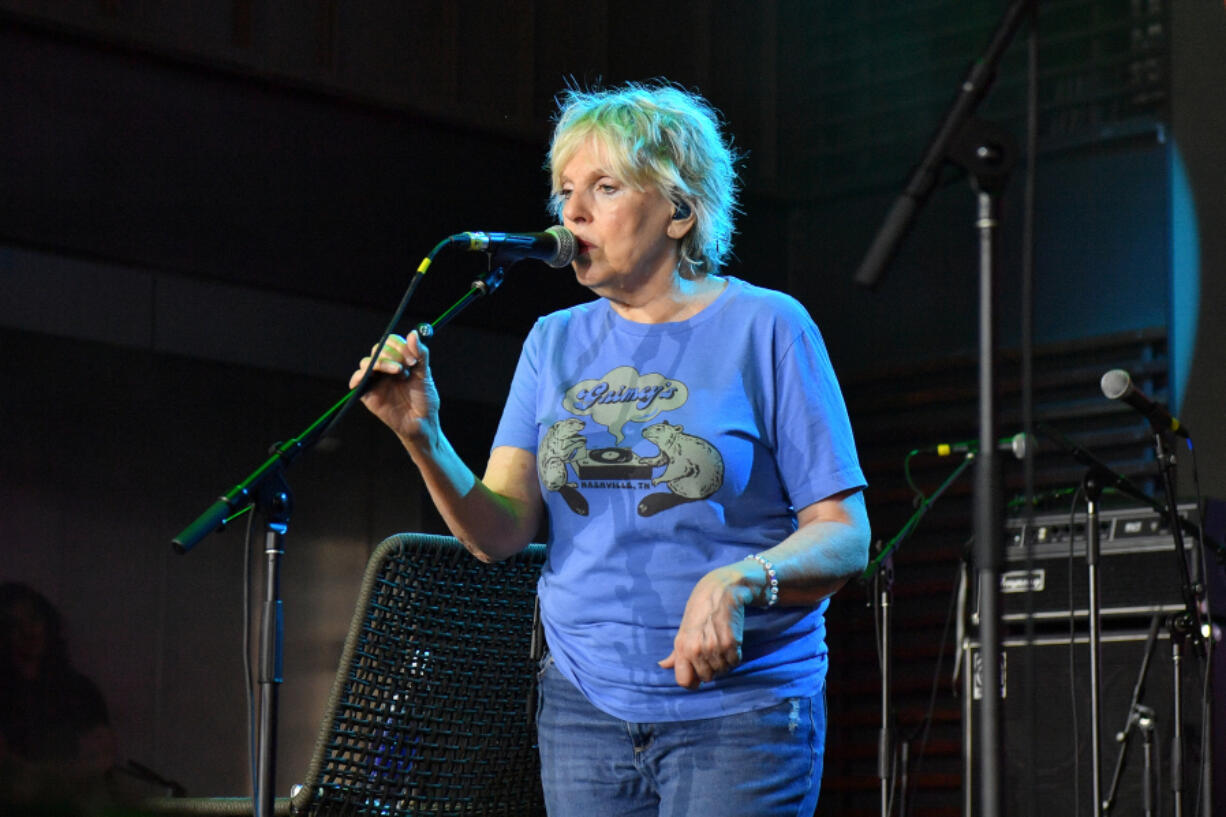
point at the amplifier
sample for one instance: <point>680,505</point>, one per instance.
<point>1138,569</point>
<point>1045,721</point>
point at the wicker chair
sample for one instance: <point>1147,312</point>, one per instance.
<point>430,710</point>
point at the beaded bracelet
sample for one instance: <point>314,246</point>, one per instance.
<point>772,580</point>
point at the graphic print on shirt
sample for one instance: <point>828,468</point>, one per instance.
<point>562,442</point>
<point>689,466</point>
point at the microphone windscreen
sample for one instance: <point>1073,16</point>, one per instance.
<point>1116,383</point>
<point>568,247</point>
<point>1019,443</point>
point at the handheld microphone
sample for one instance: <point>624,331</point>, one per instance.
<point>1017,444</point>
<point>556,246</point>
<point>1117,385</point>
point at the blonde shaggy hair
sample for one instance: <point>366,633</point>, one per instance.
<point>663,136</point>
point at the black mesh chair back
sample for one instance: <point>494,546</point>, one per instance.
<point>430,712</point>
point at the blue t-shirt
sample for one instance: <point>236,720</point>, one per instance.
<point>665,451</point>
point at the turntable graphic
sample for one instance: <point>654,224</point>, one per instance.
<point>612,463</point>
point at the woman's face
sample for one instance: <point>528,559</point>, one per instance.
<point>623,233</point>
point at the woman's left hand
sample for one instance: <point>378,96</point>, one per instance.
<point>708,642</point>
<point>829,545</point>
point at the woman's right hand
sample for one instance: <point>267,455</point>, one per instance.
<point>496,516</point>
<point>402,393</point>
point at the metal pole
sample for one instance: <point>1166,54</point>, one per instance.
<point>1177,727</point>
<point>885,746</point>
<point>1096,719</point>
<point>269,678</point>
<point>987,519</point>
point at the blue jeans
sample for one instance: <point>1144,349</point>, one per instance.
<point>765,763</point>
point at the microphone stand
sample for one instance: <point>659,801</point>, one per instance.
<point>1185,627</point>
<point>1097,478</point>
<point>987,516</point>
<point>881,572</point>
<point>268,492</point>
<point>988,157</point>
<point>1190,590</point>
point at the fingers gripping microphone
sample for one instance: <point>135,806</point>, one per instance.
<point>1117,385</point>
<point>1017,444</point>
<point>556,246</point>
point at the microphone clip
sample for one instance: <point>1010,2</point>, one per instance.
<point>491,280</point>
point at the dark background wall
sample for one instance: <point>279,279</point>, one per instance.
<point>207,214</point>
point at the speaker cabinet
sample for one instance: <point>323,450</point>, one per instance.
<point>1045,719</point>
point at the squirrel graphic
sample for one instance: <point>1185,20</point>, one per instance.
<point>693,468</point>
<point>562,443</point>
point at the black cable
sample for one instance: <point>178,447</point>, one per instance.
<point>924,728</point>
<point>922,503</point>
<point>248,671</point>
<point>360,389</point>
<point>1206,698</point>
<point>919,496</point>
